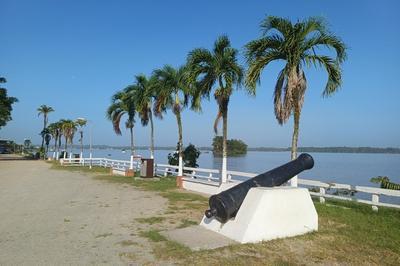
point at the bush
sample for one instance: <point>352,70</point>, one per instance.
<point>190,156</point>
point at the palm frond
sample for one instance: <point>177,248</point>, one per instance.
<point>332,68</point>
<point>282,107</point>
<point>282,25</point>
<point>216,122</point>
<point>256,67</point>
<point>116,119</point>
<point>221,44</point>
<point>328,41</point>
<point>310,25</point>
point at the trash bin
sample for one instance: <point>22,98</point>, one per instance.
<point>147,168</point>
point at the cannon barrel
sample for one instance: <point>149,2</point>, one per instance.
<point>225,205</point>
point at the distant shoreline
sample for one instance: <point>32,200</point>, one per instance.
<point>388,150</point>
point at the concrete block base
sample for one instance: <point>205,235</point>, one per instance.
<point>179,181</point>
<point>129,172</point>
<point>269,213</point>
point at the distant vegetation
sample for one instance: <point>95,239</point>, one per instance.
<point>236,147</point>
<point>334,149</point>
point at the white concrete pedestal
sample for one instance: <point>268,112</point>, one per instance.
<point>269,213</point>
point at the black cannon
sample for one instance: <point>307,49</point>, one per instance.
<point>225,205</point>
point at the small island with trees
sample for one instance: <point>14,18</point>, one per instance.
<point>235,147</point>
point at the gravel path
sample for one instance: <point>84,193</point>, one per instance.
<point>53,217</point>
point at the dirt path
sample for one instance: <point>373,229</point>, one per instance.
<point>51,217</point>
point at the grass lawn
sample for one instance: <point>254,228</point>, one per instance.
<point>349,233</point>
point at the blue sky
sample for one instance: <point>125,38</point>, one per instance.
<point>73,55</point>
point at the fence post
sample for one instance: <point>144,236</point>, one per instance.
<point>166,171</point>
<point>229,177</point>
<point>131,163</point>
<point>322,192</point>
<point>209,177</point>
<point>375,199</point>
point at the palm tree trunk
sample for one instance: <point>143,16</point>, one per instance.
<point>65,148</point>
<point>47,150</point>
<point>293,181</point>
<point>55,148</point>
<point>81,140</point>
<point>58,147</point>
<point>44,126</point>
<point>180,143</point>
<point>132,141</point>
<point>132,148</point>
<point>224,144</point>
<point>70,148</point>
<point>151,135</point>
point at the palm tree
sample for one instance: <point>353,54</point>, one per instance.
<point>44,110</point>
<point>81,122</point>
<point>55,131</point>
<point>219,70</point>
<point>123,103</point>
<point>144,95</point>
<point>296,45</point>
<point>172,92</point>
<point>68,128</point>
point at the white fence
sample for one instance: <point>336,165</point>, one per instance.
<point>317,188</point>
<point>102,162</point>
<point>212,177</point>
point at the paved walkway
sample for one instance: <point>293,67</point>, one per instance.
<point>53,217</point>
<point>4,157</point>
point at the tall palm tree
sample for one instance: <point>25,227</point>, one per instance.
<point>296,45</point>
<point>172,92</point>
<point>123,103</point>
<point>68,128</point>
<point>44,110</point>
<point>216,70</point>
<point>81,122</point>
<point>144,96</point>
<point>55,131</point>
